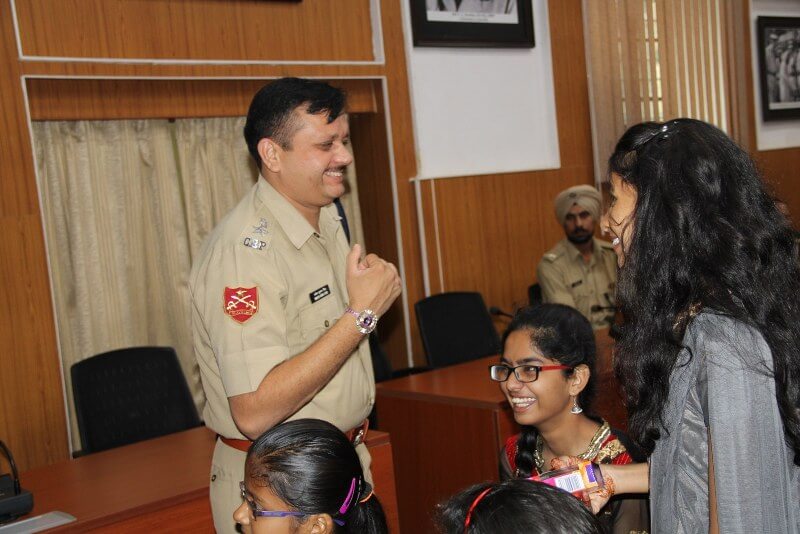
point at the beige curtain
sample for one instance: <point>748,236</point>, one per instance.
<point>654,60</point>
<point>126,207</point>
<point>116,237</point>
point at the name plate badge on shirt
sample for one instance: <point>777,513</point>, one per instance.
<point>319,294</point>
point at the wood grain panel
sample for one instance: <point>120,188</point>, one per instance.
<point>32,415</point>
<point>228,30</point>
<point>83,99</point>
<point>399,112</point>
<point>780,169</point>
<point>371,146</point>
<point>454,436</point>
<point>191,516</point>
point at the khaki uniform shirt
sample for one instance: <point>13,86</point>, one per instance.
<point>266,286</point>
<point>300,292</point>
<point>567,279</point>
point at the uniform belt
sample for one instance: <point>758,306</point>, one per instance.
<point>354,435</point>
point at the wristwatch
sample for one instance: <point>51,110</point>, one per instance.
<point>366,321</point>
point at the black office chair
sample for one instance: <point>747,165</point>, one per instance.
<point>455,328</point>
<point>129,395</point>
<point>535,295</point>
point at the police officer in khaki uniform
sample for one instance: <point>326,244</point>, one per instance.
<point>580,271</point>
<point>281,304</point>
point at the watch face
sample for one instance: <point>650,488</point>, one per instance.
<point>366,321</point>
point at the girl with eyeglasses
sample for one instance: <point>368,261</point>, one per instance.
<point>304,477</point>
<point>546,373</point>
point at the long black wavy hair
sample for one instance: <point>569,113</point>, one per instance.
<point>706,233</point>
<point>516,505</point>
<point>311,465</point>
<point>562,334</point>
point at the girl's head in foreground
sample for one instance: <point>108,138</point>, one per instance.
<point>516,505</point>
<point>694,227</point>
<point>309,471</point>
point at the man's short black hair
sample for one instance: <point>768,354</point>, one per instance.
<point>271,112</point>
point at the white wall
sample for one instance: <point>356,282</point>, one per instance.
<point>774,134</point>
<point>483,111</point>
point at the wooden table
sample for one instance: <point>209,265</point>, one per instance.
<point>448,427</point>
<point>160,485</point>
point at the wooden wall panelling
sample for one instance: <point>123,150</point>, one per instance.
<point>87,99</point>
<point>32,416</point>
<point>427,190</point>
<point>781,169</point>
<point>494,229</point>
<point>236,30</point>
<point>399,109</point>
<point>371,146</point>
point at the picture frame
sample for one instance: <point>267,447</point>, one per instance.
<point>778,48</point>
<point>472,23</point>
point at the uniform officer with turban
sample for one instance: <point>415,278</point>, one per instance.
<point>580,271</point>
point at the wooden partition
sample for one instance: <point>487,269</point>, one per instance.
<point>199,30</point>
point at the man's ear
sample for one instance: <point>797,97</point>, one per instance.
<point>270,154</point>
<point>579,379</point>
<point>319,524</point>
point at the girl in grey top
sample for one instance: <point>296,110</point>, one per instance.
<point>708,351</point>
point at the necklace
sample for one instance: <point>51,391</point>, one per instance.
<point>595,444</point>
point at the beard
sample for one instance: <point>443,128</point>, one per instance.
<point>579,238</point>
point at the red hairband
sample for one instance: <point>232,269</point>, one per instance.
<point>480,496</point>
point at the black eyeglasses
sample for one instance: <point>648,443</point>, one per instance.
<point>523,373</point>
<point>260,512</point>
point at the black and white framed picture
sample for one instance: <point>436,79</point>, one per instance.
<point>472,23</point>
<point>778,48</point>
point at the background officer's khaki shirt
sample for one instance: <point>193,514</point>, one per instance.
<point>240,334</point>
<point>566,278</point>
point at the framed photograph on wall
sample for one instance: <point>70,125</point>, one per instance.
<point>778,49</point>
<point>472,23</point>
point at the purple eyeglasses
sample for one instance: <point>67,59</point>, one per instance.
<point>260,512</point>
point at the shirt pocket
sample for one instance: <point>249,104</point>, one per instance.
<point>316,318</point>
<point>582,294</point>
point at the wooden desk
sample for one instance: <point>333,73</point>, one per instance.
<point>448,427</point>
<point>160,485</point>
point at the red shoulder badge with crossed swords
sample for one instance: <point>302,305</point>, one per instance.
<point>241,303</point>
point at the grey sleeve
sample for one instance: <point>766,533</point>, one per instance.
<point>745,429</point>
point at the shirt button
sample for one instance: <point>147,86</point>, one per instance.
<point>327,323</point>
<point>213,478</point>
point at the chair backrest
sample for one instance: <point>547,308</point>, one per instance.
<point>129,395</point>
<point>380,362</point>
<point>535,295</point>
<point>456,327</point>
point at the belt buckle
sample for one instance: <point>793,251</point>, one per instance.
<point>360,434</point>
